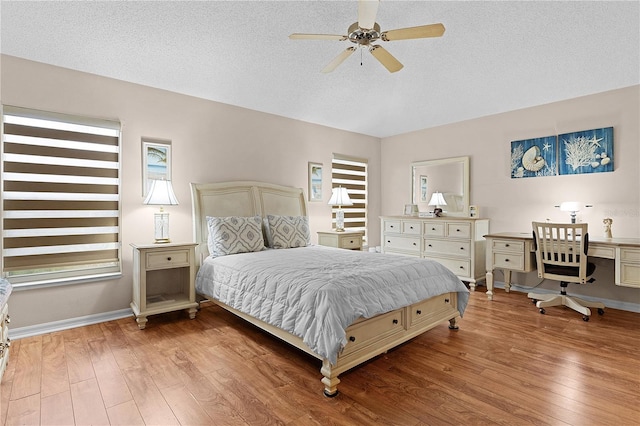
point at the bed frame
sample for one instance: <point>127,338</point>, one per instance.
<point>368,338</point>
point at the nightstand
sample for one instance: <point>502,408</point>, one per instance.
<point>351,240</point>
<point>163,280</point>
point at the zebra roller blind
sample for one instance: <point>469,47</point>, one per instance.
<point>60,197</point>
<point>351,173</point>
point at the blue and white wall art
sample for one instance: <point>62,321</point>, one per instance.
<point>588,151</point>
<point>534,157</point>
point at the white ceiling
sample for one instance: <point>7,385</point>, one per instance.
<point>494,56</point>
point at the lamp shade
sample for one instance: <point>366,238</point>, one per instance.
<point>570,206</point>
<point>340,197</point>
<point>437,199</point>
<point>161,194</point>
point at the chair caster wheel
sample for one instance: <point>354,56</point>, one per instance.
<point>585,318</point>
<point>600,311</point>
<point>542,311</point>
<point>534,301</point>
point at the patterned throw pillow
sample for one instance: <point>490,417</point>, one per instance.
<point>289,231</point>
<point>231,235</point>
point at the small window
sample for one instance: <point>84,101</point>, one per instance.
<point>60,197</point>
<point>351,173</point>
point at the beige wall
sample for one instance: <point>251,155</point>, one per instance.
<point>511,204</point>
<point>211,142</point>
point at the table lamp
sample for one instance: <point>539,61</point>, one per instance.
<point>339,198</point>
<point>570,206</point>
<point>437,200</point>
<point>161,194</point>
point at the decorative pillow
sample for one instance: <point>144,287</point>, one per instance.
<point>231,235</point>
<point>288,231</point>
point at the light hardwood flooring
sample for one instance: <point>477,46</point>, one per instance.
<point>507,364</point>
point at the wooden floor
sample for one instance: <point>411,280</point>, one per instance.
<point>507,364</point>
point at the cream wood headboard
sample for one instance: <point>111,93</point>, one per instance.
<point>243,198</point>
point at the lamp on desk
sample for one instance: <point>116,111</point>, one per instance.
<point>161,194</point>
<point>570,206</point>
<point>437,200</point>
<point>339,198</point>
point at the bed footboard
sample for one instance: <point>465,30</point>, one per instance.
<point>368,338</point>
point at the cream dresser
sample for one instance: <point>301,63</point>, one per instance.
<point>456,242</point>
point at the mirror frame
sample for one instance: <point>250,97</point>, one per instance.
<point>465,180</point>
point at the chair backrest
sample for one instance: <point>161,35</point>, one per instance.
<point>561,251</point>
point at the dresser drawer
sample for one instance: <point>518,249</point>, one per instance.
<point>434,229</point>
<point>455,248</point>
<point>508,246</point>
<point>460,267</point>
<point>167,259</point>
<point>360,335</point>
<point>427,309</point>
<point>513,261</point>
<point>392,226</point>
<point>394,242</point>
<point>458,230</point>
<point>409,227</point>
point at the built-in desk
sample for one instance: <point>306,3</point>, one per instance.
<point>514,251</point>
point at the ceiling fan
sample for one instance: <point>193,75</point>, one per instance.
<point>367,31</point>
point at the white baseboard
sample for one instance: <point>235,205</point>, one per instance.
<point>50,327</point>
<point>609,303</point>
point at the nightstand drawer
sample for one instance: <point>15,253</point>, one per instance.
<point>351,242</point>
<point>168,259</point>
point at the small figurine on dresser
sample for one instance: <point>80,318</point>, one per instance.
<point>607,227</point>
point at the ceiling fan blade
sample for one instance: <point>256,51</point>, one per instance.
<point>298,36</point>
<point>423,31</point>
<point>367,11</point>
<point>338,60</point>
<point>386,58</point>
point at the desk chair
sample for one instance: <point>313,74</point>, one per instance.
<point>561,255</point>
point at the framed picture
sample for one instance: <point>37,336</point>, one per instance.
<point>588,151</point>
<point>423,189</point>
<point>411,209</point>
<point>156,162</point>
<point>315,181</point>
<point>534,157</point>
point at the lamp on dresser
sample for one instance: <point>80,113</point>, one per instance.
<point>437,200</point>
<point>161,194</point>
<point>339,198</point>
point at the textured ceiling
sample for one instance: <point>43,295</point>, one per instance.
<point>494,56</point>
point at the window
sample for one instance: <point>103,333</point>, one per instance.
<point>351,173</point>
<point>60,197</point>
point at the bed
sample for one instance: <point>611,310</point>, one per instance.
<point>340,306</point>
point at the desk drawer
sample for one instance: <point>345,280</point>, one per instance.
<point>629,275</point>
<point>629,255</point>
<point>513,261</point>
<point>510,246</point>
<point>394,242</point>
<point>603,252</point>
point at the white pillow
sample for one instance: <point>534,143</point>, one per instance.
<point>231,235</point>
<point>288,231</point>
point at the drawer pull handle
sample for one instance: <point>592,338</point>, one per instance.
<point>446,300</point>
<point>419,312</point>
<point>430,245</point>
<point>433,229</point>
<point>457,230</point>
<point>506,245</point>
<point>352,339</point>
<point>506,260</point>
<point>169,258</point>
<point>391,226</point>
<point>411,227</point>
<point>388,241</point>
<point>395,321</point>
<point>414,244</point>
<point>461,248</point>
<point>461,267</point>
<point>7,319</point>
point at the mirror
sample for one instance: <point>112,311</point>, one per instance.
<point>448,176</point>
